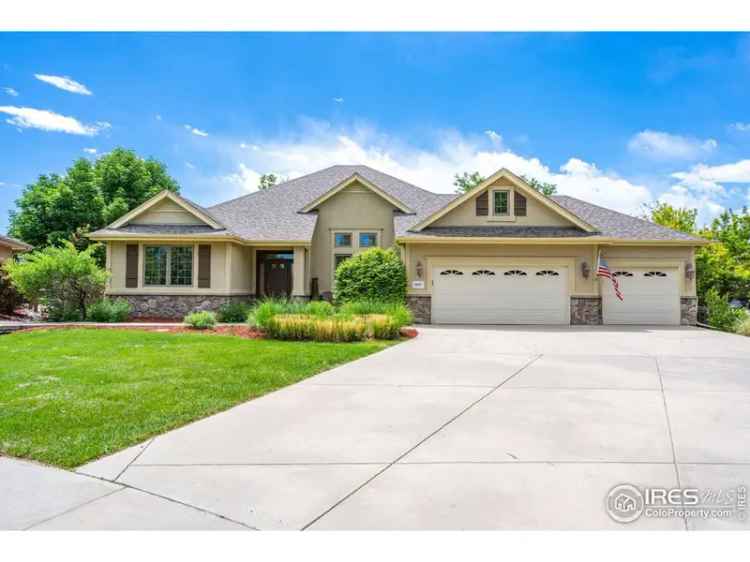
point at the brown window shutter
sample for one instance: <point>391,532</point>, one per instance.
<point>131,266</point>
<point>519,204</point>
<point>483,204</point>
<point>204,266</point>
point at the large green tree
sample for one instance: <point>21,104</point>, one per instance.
<point>89,196</point>
<point>724,265</point>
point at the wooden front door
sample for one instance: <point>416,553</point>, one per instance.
<point>277,277</point>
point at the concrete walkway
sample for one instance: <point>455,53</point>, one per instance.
<point>460,428</point>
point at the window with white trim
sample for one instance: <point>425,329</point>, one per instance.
<point>501,203</point>
<point>168,266</point>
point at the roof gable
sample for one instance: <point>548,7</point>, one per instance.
<point>201,215</point>
<point>517,184</point>
<point>356,178</point>
<point>15,244</point>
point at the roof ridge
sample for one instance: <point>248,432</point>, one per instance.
<point>262,191</point>
<point>395,178</point>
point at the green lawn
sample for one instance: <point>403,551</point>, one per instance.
<point>70,396</point>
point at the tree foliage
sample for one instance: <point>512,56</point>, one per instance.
<point>679,219</point>
<point>62,278</point>
<point>267,181</point>
<point>87,197</point>
<point>724,265</point>
<point>543,187</point>
<point>466,181</point>
<point>375,274</point>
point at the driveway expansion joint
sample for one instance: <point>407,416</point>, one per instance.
<point>425,439</point>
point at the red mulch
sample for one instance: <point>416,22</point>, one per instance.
<point>239,331</point>
<point>159,319</point>
<point>409,332</point>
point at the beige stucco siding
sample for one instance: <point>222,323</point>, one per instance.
<point>573,256</point>
<point>536,213</point>
<point>5,253</point>
<point>642,256</point>
<point>354,208</point>
<point>222,269</point>
<point>166,212</point>
<point>428,254</point>
<point>240,269</point>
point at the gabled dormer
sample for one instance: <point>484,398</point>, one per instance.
<point>503,199</point>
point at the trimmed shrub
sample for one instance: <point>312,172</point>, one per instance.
<point>202,320</point>
<point>375,274</point>
<point>106,310</point>
<point>720,314</point>
<point>233,312</point>
<point>62,279</point>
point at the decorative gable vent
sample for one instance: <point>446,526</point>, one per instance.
<point>519,204</point>
<point>483,204</point>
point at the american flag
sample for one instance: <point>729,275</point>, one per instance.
<point>602,270</point>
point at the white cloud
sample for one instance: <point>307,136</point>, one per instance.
<point>658,145</point>
<point>709,179</point>
<point>245,178</point>
<point>158,117</point>
<point>190,165</point>
<point>90,150</point>
<point>250,146</point>
<point>196,131</point>
<point>318,146</point>
<point>741,127</point>
<point>338,100</point>
<point>64,83</point>
<point>30,118</point>
<point>495,138</point>
<point>11,92</point>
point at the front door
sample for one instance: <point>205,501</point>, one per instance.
<point>277,277</point>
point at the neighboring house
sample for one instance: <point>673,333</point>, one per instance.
<point>500,254</point>
<point>10,246</point>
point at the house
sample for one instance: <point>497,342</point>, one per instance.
<point>500,254</point>
<point>10,246</point>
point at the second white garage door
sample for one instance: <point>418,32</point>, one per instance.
<point>500,295</point>
<point>650,296</point>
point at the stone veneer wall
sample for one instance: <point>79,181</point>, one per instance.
<point>421,308</point>
<point>586,310</point>
<point>689,311</point>
<point>176,306</point>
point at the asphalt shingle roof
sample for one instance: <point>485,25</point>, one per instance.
<point>619,225</point>
<point>274,214</point>
<point>15,242</point>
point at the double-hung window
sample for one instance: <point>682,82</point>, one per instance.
<point>501,203</point>
<point>168,265</point>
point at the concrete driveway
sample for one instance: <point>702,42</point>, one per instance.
<point>460,428</point>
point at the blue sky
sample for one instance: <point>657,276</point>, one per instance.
<point>621,119</point>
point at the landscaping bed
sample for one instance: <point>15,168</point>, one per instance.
<point>68,396</point>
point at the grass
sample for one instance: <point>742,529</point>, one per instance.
<point>70,396</point>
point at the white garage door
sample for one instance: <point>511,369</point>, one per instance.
<point>500,295</point>
<point>651,296</point>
